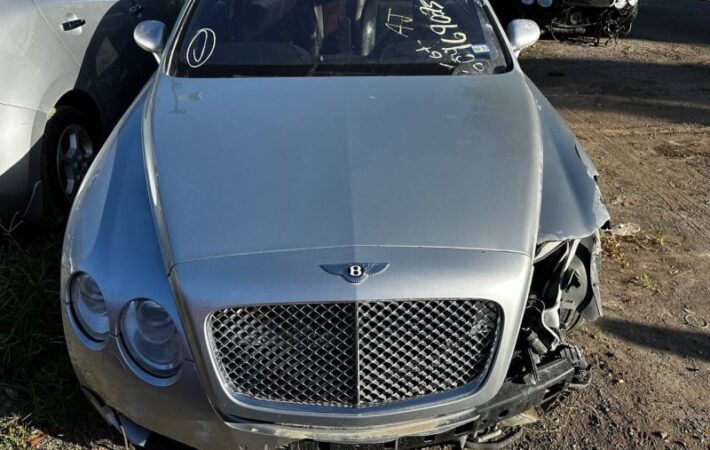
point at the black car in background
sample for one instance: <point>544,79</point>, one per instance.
<point>597,18</point>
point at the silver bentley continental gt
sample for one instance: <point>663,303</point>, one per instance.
<point>329,224</point>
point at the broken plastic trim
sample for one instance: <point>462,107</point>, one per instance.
<point>131,431</point>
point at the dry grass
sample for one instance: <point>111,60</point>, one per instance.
<point>41,405</point>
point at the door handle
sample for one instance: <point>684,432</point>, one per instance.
<point>135,9</point>
<point>73,24</point>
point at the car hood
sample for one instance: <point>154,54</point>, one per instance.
<point>253,165</point>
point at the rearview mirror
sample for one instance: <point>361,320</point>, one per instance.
<point>522,33</point>
<point>150,36</point>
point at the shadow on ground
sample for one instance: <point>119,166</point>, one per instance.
<point>685,343</point>
<point>648,75</point>
<point>654,23</point>
<point>639,88</point>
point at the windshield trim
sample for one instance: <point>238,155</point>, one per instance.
<point>178,36</point>
<point>500,35</point>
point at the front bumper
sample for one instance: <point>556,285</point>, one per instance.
<point>181,411</point>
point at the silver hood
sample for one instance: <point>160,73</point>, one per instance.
<point>253,165</point>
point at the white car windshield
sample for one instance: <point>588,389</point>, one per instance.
<point>223,38</point>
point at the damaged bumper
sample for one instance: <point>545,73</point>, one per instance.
<point>182,412</point>
<point>183,409</point>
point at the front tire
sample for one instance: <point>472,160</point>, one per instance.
<point>68,146</point>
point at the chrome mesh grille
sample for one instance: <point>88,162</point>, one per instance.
<point>353,354</point>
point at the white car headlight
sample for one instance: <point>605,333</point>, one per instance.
<point>89,307</point>
<point>151,338</point>
<point>544,3</point>
<point>620,4</point>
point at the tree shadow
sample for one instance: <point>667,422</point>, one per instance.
<point>687,344</point>
<point>675,93</point>
<point>673,21</point>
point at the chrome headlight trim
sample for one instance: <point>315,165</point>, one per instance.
<point>87,306</point>
<point>150,338</point>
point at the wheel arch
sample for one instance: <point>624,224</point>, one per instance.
<point>76,98</point>
<point>83,101</point>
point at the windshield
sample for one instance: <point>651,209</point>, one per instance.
<point>224,38</point>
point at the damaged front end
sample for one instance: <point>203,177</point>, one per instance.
<point>564,293</point>
<point>564,290</point>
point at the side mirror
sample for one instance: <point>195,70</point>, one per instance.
<point>150,36</point>
<point>522,33</point>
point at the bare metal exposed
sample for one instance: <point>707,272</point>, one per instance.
<point>346,222</point>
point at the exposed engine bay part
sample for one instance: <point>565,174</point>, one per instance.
<point>563,18</point>
<point>538,386</point>
<point>564,292</point>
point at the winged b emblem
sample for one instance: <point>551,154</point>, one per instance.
<point>355,273</point>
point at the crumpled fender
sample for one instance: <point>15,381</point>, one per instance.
<point>572,205</point>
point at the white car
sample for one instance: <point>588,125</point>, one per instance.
<point>68,70</point>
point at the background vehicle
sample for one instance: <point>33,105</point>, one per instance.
<point>69,69</point>
<point>597,18</point>
<point>333,221</point>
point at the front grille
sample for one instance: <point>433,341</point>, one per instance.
<point>353,354</point>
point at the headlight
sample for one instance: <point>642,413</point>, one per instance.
<point>527,2</point>
<point>544,3</point>
<point>620,4</point>
<point>89,307</point>
<point>151,339</point>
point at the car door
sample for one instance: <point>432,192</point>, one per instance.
<point>99,34</point>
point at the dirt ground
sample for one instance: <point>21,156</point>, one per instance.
<point>641,107</point>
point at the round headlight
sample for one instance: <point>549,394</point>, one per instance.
<point>620,4</point>
<point>544,3</point>
<point>527,2</point>
<point>151,339</point>
<point>89,307</point>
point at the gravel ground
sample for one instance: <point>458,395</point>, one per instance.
<point>641,107</point>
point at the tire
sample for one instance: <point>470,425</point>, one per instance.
<point>68,146</point>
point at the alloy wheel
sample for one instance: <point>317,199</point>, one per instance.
<point>75,151</point>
